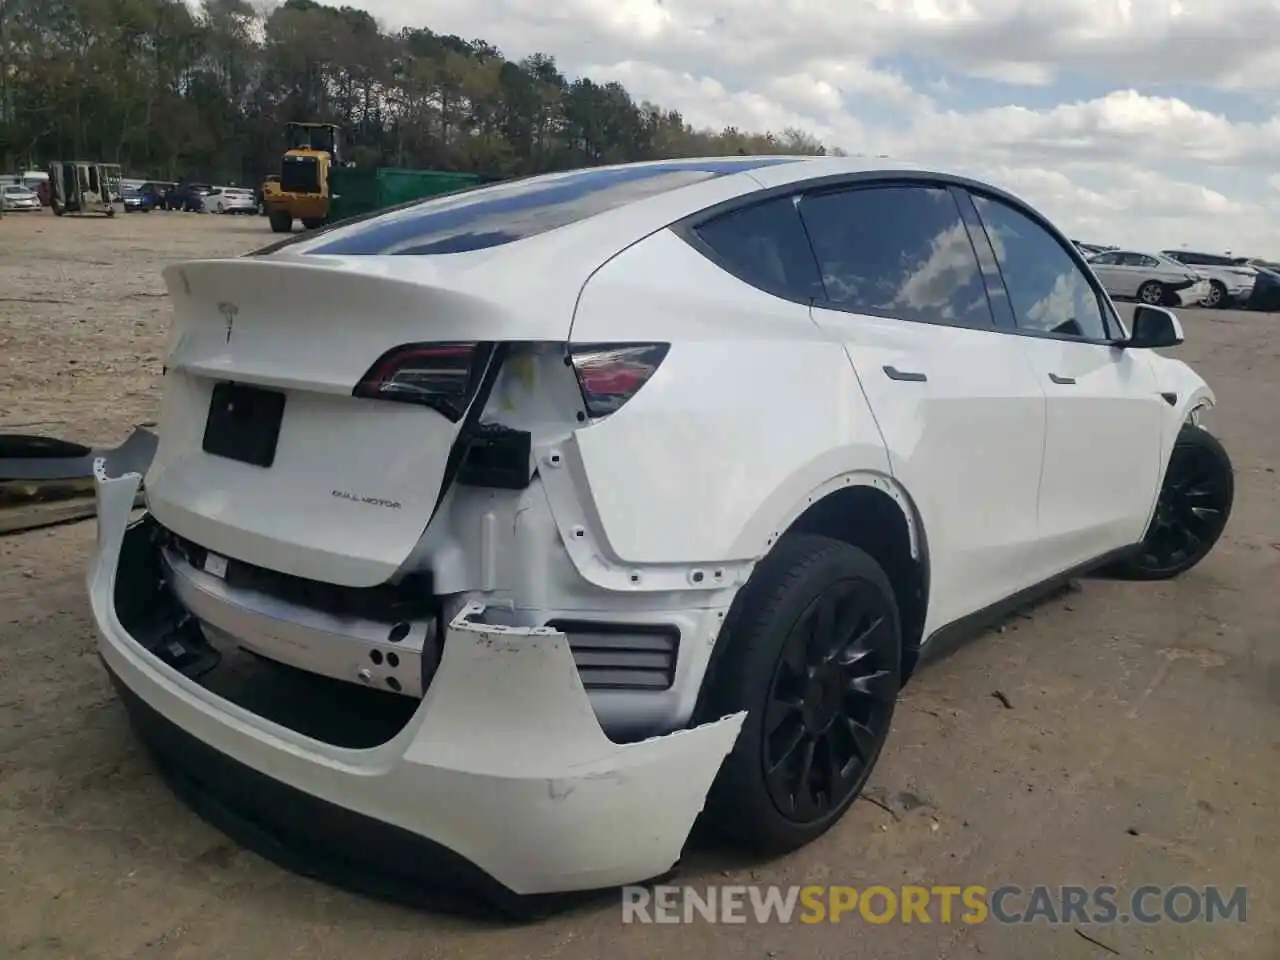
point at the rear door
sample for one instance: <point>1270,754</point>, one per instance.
<point>1105,413</point>
<point>956,400</point>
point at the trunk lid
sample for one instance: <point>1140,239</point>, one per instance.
<point>351,482</point>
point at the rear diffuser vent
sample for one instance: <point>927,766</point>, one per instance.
<point>622,656</point>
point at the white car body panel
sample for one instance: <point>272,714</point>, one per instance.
<point>729,509</point>
<point>981,405</point>
<point>652,515</point>
<point>1102,463</point>
<point>448,775</point>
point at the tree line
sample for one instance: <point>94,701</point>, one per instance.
<point>169,90</point>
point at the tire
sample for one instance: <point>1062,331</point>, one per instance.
<point>805,582</point>
<point>281,221</point>
<point>1153,293</point>
<point>312,223</point>
<point>1199,483</point>
<point>58,209</point>
<point>1217,295</point>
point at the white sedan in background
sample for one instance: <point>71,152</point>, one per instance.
<point>231,200</point>
<point>1149,278</point>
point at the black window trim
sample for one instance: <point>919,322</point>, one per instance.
<point>686,229</point>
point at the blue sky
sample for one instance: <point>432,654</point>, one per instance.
<point>1150,123</point>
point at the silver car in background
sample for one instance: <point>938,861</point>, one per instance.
<point>1149,278</point>
<point>16,197</point>
<point>1230,282</point>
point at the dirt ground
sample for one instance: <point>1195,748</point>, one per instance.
<point>1138,739</point>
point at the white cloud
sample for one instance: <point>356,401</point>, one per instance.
<point>1135,166</point>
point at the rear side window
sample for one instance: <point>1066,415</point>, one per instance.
<point>900,252</point>
<point>765,246</point>
<point>1138,260</point>
<point>505,212</point>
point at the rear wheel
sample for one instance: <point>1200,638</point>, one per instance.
<point>1152,292</point>
<point>1217,294</point>
<point>313,223</point>
<point>281,221</point>
<point>814,652</point>
<point>1192,510</point>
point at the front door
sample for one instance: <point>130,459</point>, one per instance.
<point>1102,466</point>
<point>957,402</point>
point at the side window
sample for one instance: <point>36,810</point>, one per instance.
<point>1148,261</point>
<point>1106,259</point>
<point>765,246</point>
<point>1048,291</point>
<point>897,251</point>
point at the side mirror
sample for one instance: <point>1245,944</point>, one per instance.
<point>1154,327</point>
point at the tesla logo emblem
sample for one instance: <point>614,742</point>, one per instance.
<point>229,312</point>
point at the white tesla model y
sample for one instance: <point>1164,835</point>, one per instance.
<point>566,509</point>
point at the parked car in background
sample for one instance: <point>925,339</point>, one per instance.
<point>230,200</point>
<point>188,197</point>
<point>15,197</point>
<point>138,200</point>
<point>1149,278</point>
<point>1089,249</point>
<point>1230,283</point>
<point>1265,296</point>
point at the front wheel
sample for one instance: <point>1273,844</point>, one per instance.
<point>313,223</point>
<point>1217,294</point>
<point>1192,510</point>
<point>813,654</point>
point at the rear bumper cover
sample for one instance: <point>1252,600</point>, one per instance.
<point>503,771</point>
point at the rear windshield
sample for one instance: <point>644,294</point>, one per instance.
<point>496,214</point>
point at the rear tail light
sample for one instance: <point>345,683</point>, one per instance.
<point>443,376</point>
<point>610,374</point>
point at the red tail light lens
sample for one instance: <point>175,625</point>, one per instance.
<point>443,376</point>
<point>610,374</point>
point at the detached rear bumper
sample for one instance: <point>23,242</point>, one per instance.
<point>502,781</point>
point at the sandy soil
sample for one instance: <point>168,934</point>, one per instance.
<point>1140,743</point>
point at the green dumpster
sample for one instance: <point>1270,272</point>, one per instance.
<point>354,191</point>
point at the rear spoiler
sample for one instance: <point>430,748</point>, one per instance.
<point>45,481</point>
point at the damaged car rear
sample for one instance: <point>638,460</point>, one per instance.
<point>490,539</point>
<point>367,472</point>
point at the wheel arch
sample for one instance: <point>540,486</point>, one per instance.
<point>872,511</point>
<point>881,519</point>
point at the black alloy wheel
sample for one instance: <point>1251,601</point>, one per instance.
<point>1191,511</point>
<point>812,652</point>
<point>830,702</point>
